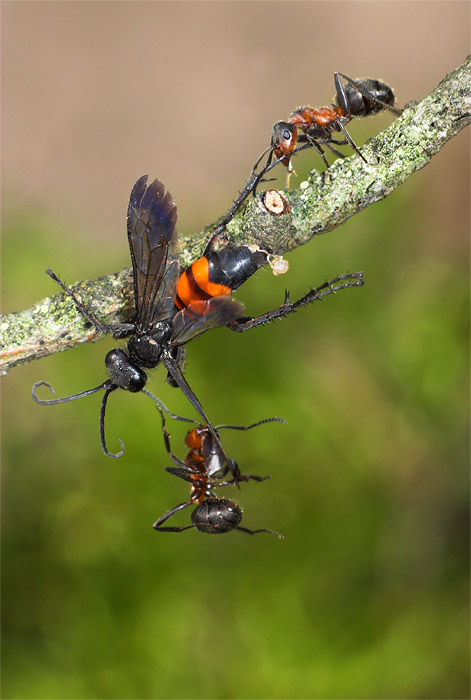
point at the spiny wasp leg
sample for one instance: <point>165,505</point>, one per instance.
<point>354,279</point>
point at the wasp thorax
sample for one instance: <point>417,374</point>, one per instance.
<point>123,372</point>
<point>146,349</point>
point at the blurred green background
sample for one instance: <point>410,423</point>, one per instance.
<point>368,595</point>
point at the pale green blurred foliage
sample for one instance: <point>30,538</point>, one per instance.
<point>366,596</point>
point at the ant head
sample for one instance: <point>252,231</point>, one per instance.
<point>216,515</point>
<point>124,373</point>
<point>283,138</point>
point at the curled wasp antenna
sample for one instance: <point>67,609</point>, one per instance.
<point>64,399</point>
<point>108,390</point>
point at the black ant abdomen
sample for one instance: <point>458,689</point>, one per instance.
<point>367,97</point>
<point>216,515</point>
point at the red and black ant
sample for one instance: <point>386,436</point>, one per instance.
<point>205,467</point>
<point>356,98</point>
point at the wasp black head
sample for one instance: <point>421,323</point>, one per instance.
<point>216,515</point>
<point>123,371</point>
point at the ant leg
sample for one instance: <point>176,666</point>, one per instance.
<point>343,142</point>
<point>313,142</point>
<point>167,411</point>
<point>158,523</point>
<point>249,187</point>
<point>51,402</point>
<point>270,156</point>
<point>108,390</point>
<point>354,279</point>
<point>166,435</point>
<point>186,473</point>
<point>241,477</point>
<point>350,140</point>
<point>334,150</point>
<point>340,91</point>
<point>269,165</point>
<point>290,171</point>
<point>255,532</point>
<point>254,425</point>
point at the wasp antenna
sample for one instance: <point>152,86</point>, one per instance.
<point>42,383</point>
<point>65,399</point>
<point>108,390</point>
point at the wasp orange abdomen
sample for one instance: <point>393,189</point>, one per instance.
<point>198,284</point>
<point>218,273</point>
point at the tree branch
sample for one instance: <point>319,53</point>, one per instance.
<point>317,206</point>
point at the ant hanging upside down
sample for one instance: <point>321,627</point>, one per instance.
<point>205,468</point>
<point>355,98</point>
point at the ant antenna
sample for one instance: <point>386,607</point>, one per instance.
<point>254,425</point>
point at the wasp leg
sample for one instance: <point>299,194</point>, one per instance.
<point>354,279</point>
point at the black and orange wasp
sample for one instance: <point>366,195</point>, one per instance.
<point>164,324</point>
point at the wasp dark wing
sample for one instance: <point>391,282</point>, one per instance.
<point>165,306</point>
<point>152,216</point>
<point>203,315</point>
